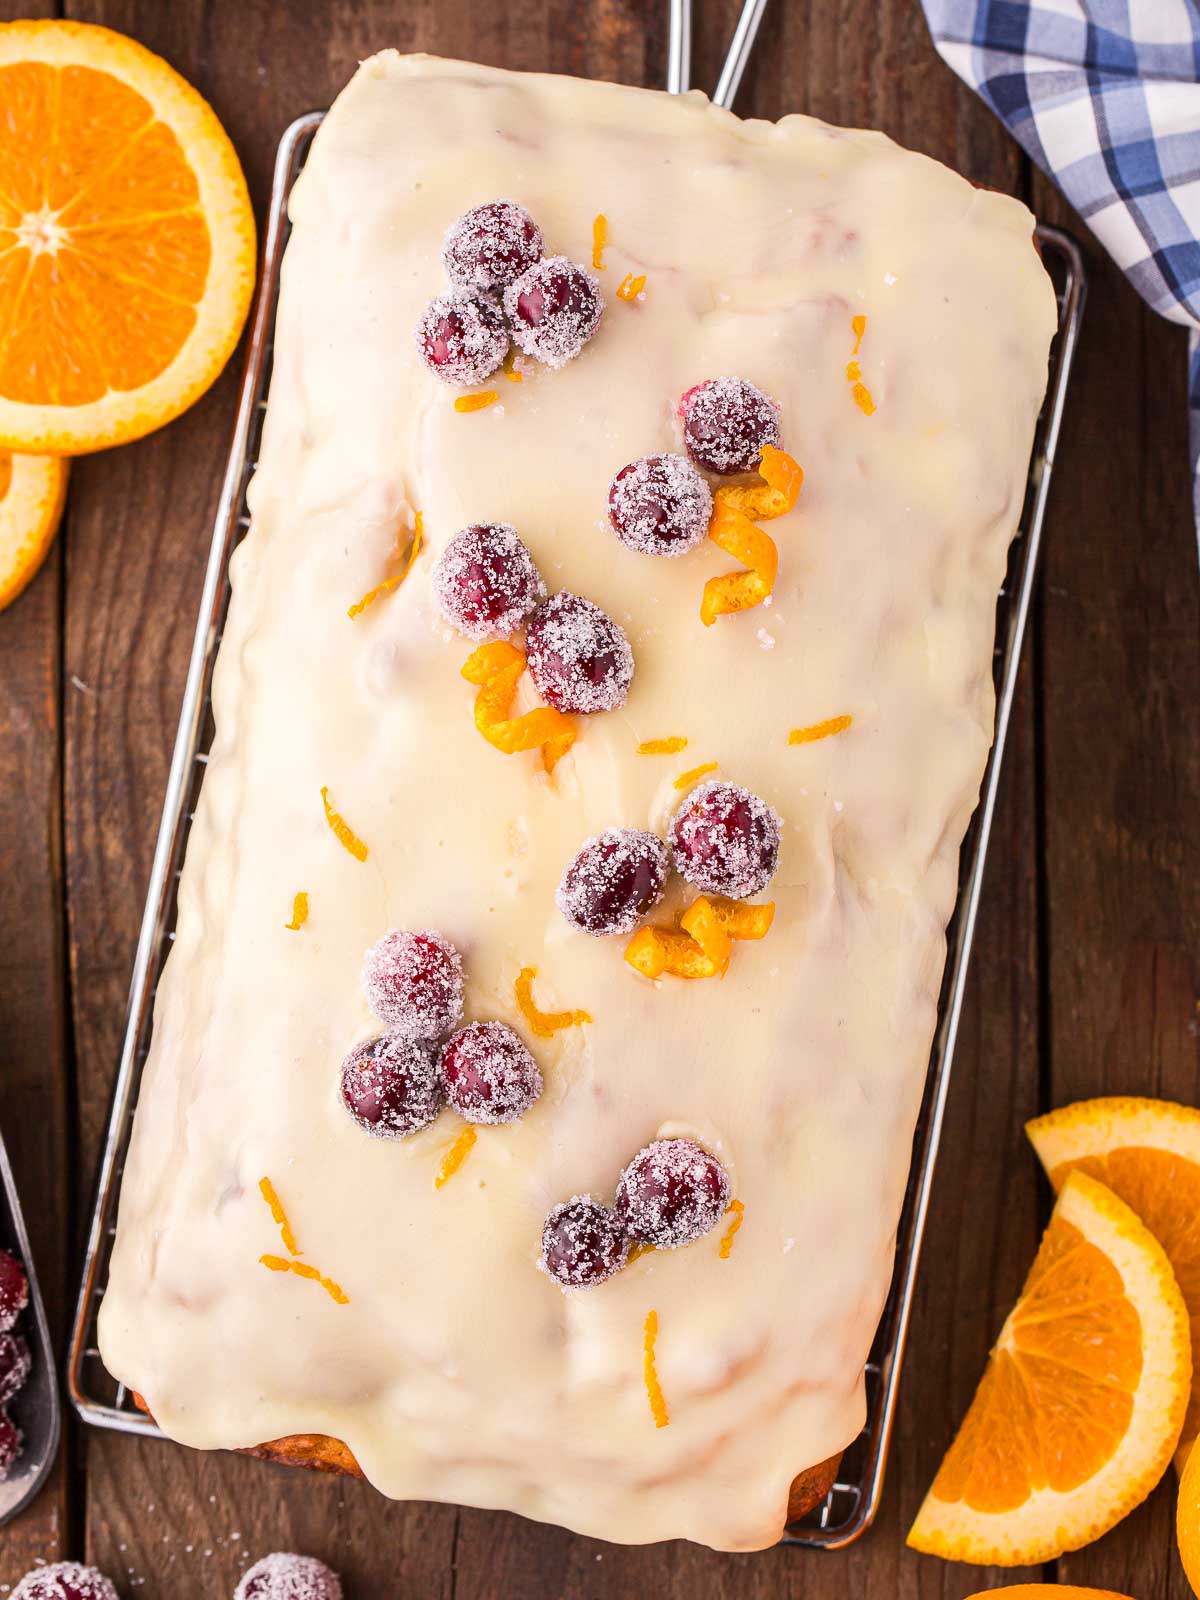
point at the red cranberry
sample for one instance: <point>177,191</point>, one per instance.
<point>660,505</point>
<point>614,881</point>
<point>289,1577</point>
<point>582,1243</point>
<point>462,338</point>
<point>579,658</point>
<point>65,1580</point>
<point>487,1073</point>
<point>485,581</point>
<point>10,1444</point>
<point>15,1362</point>
<point>414,983</point>
<point>554,308</point>
<point>725,840</point>
<point>390,1086</point>
<point>14,1290</point>
<point>671,1193</point>
<point>726,422</point>
<point>491,245</point>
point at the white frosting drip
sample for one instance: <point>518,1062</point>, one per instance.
<point>457,1371</point>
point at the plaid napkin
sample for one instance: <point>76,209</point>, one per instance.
<point>1105,96</point>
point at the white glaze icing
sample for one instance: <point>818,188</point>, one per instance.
<point>457,1371</point>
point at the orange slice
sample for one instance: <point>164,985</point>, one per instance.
<point>127,247</point>
<point>1148,1152</point>
<point>1187,1520</point>
<point>32,490</point>
<point>1048,1591</point>
<point>1080,1407</point>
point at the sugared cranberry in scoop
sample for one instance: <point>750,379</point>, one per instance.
<point>65,1580</point>
<point>289,1577</point>
<point>725,840</point>
<point>659,505</point>
<point>488,1075</point>
<point>672,1192</point>
<point>10,1444</point>
<point>462,338</point>
<point>582,1243</point>
<point>15,1362</point>
<point>414,983</point>
<point>491,245</point>
<point>486,582</point>
<point>614,881</point>
<point>579,658</point>
<point>554,309</point>
<point>726,422</point>
<point>14,1290</point>
<point>390,1086</point>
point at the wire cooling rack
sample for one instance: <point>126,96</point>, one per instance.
<point>850,1505</point>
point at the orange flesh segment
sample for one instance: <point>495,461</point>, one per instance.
<point>732,530</point>
<point>345,835</point>
<point>738,1211</point>
<point>658,1403</point>
<point>476,402</point>
<point>497,669</point>
<point>599,240</point>
<point>820,730</point>
<point>686,779</point>
<point>280,1215</point>
<point>455,1156</point>
<point>662,747</point>
<point>303,1270</point>
<point>543,1024</point>
<point>299,913</point>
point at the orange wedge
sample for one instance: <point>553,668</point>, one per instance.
<point>1083,1399</point>
<point>32,489</point>
<point>127,247</point>
<point>1148,1152</point>
<point>1048,1591</point>
<point>1187,1520</point>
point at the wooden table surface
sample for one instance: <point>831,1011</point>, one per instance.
<point>1084,979</point>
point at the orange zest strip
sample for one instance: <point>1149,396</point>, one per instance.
<point>544,1024</point>
<point>303,1270</point>
<point>733,531</point>
<point>496,669</point>
<point>599,240</point>
<point>820,730</point>
<point>859,324</point>
<point>280,1216</point>
<point>389,584</point>
<point>455,1156</point>
<point>299,913</point>
<point>662,747</point>
<point>686,779</point>
<point>861,394</point>
<point>510,368</point>
<point>658,1404</point>
<point>738,1210</point>
<point>345,833</point>
<point>631,287</point>
<point>476,402</point>
<point>700,946</point>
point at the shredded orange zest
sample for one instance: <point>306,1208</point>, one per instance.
<point>738,1210</point>
<point>345,833</point>
<point>299,913</point>
<point>544,1024</point>
<point>599,240</point>
<point>820,730</point>
<point>859,390</point>
<point>631,287</point>
<point>699,947</point>
<point>859,324</point>
<point>732,530</point>
<point>686,779</point>
<point>510,367</point>
<point>476,402</point>
<point>389,584</point>
<point>280,1216</point>
<point>662,747</point>
<point>496,669</point>
<point>658,1404</point>
<point>455,1156</point>
<point>303,1270</point>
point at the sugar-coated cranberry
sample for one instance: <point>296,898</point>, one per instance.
<point>726,422</point>
<point>486,582</point>
<point>15,1364</point>
<point>660,505</point>
<point>614,881</point>
<point>582,1243</point>
<point>554,308</point>
<point>725,840</point>
<point>414,983</point>
<point>487,1073</point>
<point>14,1290</point>
<point>390,1086</point>
<point>672,1192</point>
<point>462,338</point>
<point>65,1580</point>
<point>579,658</point>
<point>10,1444</point>
<point>490,245</point>
<point>288,1577</point>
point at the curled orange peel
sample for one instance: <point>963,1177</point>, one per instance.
<point>267,1189</point>
<point>732,530</point>
<point>658,1402</point>
<point>455,1156</point>
<point>631,287</point>
<point>599,240</point>
<point>662,747</point>
<point>820,730</point>
<point>344,833</point>
<point>655,952</point>
<point>700,946</point>
<point>394,582</point>
<point>476,402</point>
<point>737,1210</point>
<point>496,670</point>
<point>544,1024</point>
<point>302,1270</point>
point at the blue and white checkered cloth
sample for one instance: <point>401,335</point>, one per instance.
<point>1105,96</point>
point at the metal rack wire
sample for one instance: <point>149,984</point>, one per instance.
<point>848,1509</point>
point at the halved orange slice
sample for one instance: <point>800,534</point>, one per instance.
<point>1148,1152</point>
<point>1048,1591</point>
<point>127,247</point>
<point>32,490</point>
<point>1082,1401</point>
<point>1187,1520</point>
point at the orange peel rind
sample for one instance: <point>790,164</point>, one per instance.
<point>820,730</point>
<point>299,913</point>
<point>344,833</point>
<point>302,1270</point>
<point>658,1401</point>
<point>388,584</point>
<point>662,747</point>
<point>700,946</point>
<point>733,531</point>
<point>737,1211</point>
<point>659,952</point>
<point>631,287</point>
<point>455,1156</point>
<point>685,780</point>
<point>543,1024</point>
<point>476,402</point>
<point>496,670</point>
<point>599,240</point>
<point>267,1189</point>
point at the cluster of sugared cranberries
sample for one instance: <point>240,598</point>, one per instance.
<point>726,422</point>
<point>672,1193</point>
<point>64,1580</point>
<point>660,505</point>
<point>725,840</point>
<point>15,1360</point>
<point>503,288</point>
<point>486,582</point>
<point>289,1577</point>
<point>579,658</point>
<point>614,881</point>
